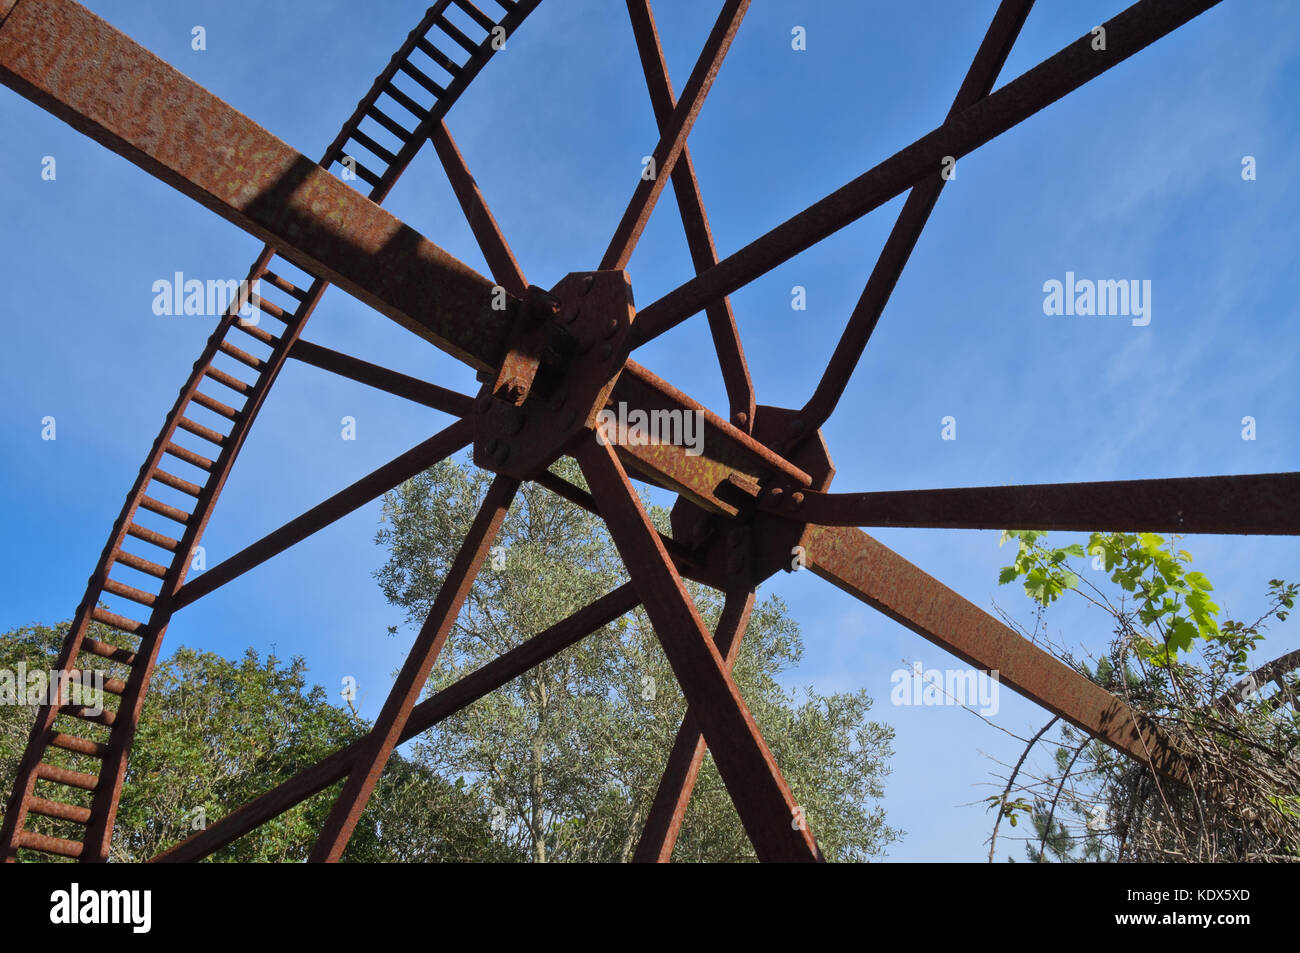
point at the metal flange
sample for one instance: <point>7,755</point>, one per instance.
<point>565,356</point>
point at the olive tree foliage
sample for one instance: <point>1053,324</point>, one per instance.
<point>567,757</point>
<point>217,732</point>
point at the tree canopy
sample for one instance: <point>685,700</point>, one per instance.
<point>569,755</point>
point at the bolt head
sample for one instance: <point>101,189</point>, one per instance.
<point>548,306</point>
<point>513,389</point>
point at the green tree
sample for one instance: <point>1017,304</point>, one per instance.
<point>569,755</point>
<point>216,733</point>
<point>1171,659</point>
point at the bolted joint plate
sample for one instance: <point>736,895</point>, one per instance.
<point>528,342</point>
<point>755,544</point>
<point>566,355</point>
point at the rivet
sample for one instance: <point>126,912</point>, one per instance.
<point>491,446</point>
<point>796,498</point>
<point>742,418</point>
<point>606,351</point>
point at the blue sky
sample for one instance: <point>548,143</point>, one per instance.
<point>1138,175</point>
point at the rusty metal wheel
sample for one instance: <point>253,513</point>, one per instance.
<point>552,364</point>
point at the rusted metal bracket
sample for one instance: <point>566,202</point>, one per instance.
<point>524,347</point>
<point>565,355</point>
<point>755,544</point>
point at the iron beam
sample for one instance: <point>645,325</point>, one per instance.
<point>673,796</point>
<point>1265,503</point>
<point>1130,31</point>
<point>695,222</point>
<point>381,378</point>
<point>672,139</point>
<point>378,746</point>
<point>394,473</point>
<point>766,807</point>
<point>984,69</point>
<point>133,103</point>
<point>854,562</point>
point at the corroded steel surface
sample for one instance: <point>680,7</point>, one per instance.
<point>150,113</point>
<point>755,500</point>
<point>1249,503</point>
<point>862,567</point>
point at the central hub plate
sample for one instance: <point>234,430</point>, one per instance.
<point>562,363</point>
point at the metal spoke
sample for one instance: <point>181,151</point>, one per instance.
<point>766,807</point>
<point>1137,27</point>
<point>984,69</point>
<point>387,732</point>
<point>673,795</point>
<point>673,137</point>
<point>402,385</point>
<point>370,487</point>
<point>501,260</point>
<point>1256,503</point>
<point>862,567</point>
<point>455,697</point>
<point>699,237</point>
